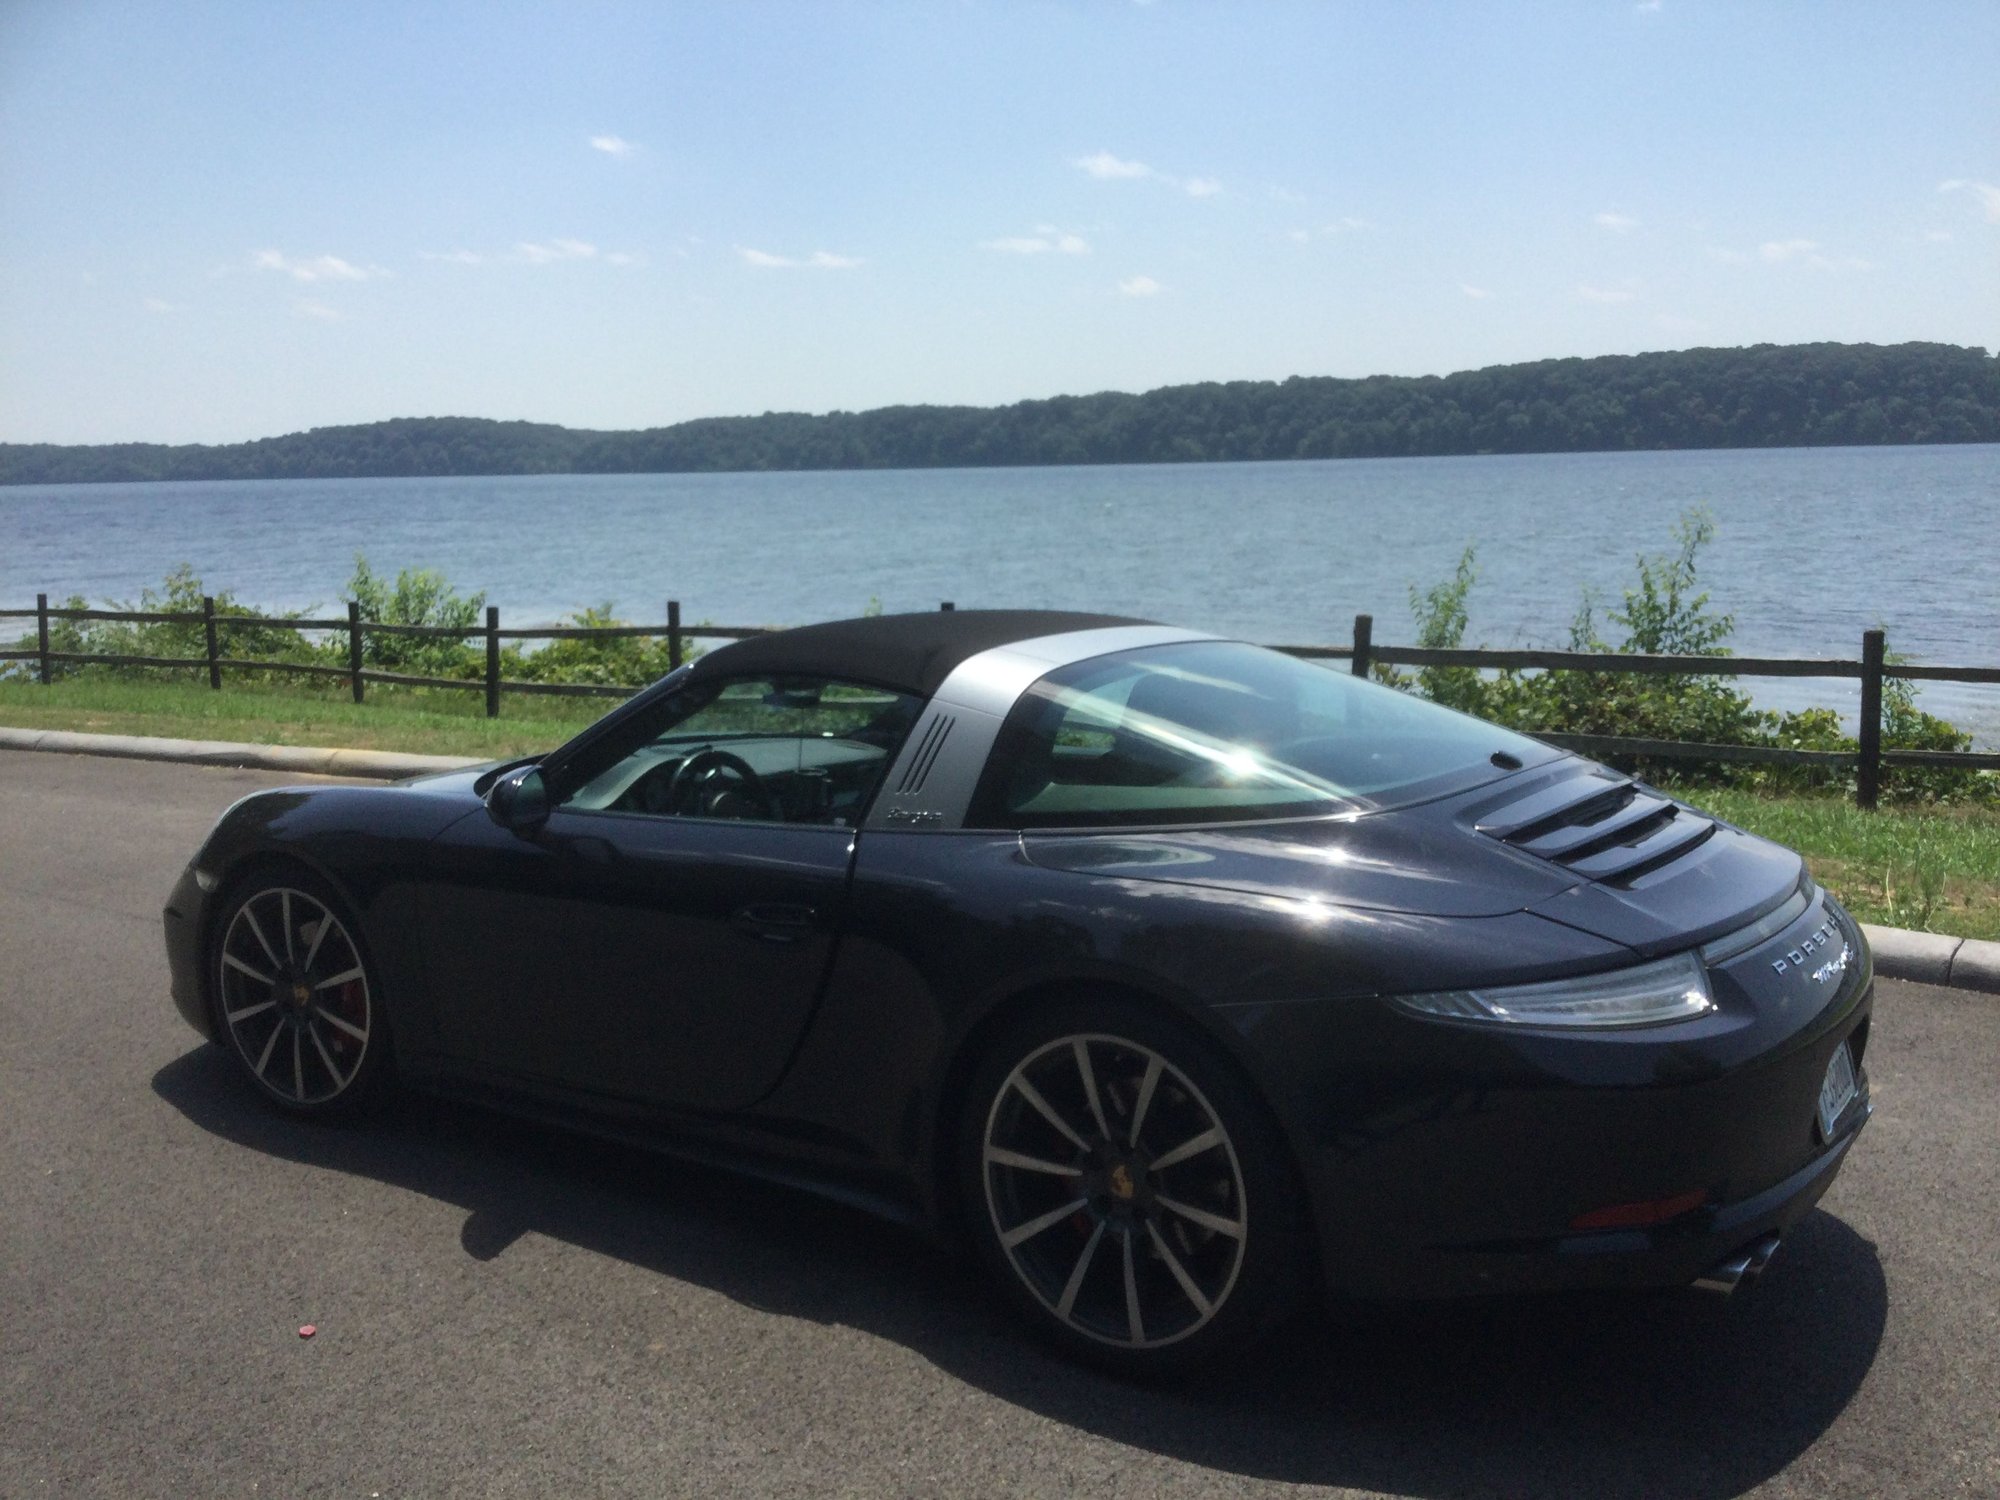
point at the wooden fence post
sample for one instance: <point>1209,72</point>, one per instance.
<point>42,634</point>
<point>673,634</point>
<point>208,631</point>
<point>1364,638</point>
<point>1868,774</point>
<point>492,661</point>
<point>354,646</point>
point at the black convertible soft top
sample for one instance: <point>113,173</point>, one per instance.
<point>910,653</point>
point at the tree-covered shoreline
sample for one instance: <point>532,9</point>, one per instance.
<point>1763,396</point>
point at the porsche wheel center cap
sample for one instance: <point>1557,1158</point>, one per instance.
<point>1117,1185</point>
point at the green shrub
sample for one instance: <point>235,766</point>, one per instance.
<point>1663,614</point>
<point>419,596</point>
<point>1440,613</point>
<point>416,596</point>
<point>614,661</point>
<point>181,593</point>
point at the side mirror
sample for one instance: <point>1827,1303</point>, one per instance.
<point>519,801</point>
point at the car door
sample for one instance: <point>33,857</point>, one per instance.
<point>662,937</point>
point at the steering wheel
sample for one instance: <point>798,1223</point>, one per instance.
<point>698,788</point>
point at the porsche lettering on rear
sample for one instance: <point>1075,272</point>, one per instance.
<point>1835,967</point>
<point>1822,935</point>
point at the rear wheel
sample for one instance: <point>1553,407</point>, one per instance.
<point>295,997</point>
<point>1128,1189</point>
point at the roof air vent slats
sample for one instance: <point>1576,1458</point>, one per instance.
<point>1615,826</point>
<point>928,744</point>
<point>1600,825</point>
<point>1674,837</point>
<point>1551,807</point>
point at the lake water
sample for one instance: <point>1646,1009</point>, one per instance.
<point>1812,546</point>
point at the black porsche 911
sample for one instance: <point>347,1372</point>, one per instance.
<point>1180,975</point>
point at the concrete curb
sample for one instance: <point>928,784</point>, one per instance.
<point>1932,958</point>
<point>1925,957</point>
<point>380,765</point>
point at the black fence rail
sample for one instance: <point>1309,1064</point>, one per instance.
<point>1871,668</point>
<point>215,662</point>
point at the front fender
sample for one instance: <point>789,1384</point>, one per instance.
<point>369,843</point>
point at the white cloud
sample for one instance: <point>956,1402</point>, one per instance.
<point>1987,194</point>
<point>1648,7</point>
<point>824,260</point>
<point>321,313</point>
<point>612,145</point>
<point>160,305</point>
<point>1728,257</point>
<point>1140,286</point>
<point>1808,253</point>
<point>1606,294</point>
<point>1285,195</point>
<point>1106,167</point>
<point>1939,236</point>
<point>541,254</point>
<point>1616,223</point>
<point>537,253</point>
<point>1477,293</point>
<point>1046,240</point>
<point>1348,224</point>
<point>315,268</point>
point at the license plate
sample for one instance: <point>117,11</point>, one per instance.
<point>1836,1090</point>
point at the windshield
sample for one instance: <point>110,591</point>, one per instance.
<point>1217,730</point>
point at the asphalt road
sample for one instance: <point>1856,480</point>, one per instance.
<point>507,1311</point>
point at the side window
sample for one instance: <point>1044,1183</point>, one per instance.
<point>1130,739</point>
<point>766,749</point>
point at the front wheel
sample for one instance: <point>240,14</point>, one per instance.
<point>1128,1189</point>
<point>296,1002</point>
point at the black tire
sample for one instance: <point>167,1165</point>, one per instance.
<point>295,995</point>
<point>1146,1251</point>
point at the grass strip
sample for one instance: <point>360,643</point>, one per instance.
<point>1935,869</point>
<point>428,721</point>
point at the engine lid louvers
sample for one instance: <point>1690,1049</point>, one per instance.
<point>1601,826</point>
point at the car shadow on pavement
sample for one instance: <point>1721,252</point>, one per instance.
<point>1585,1395</point>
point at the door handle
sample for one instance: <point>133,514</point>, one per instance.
<point>775,921</point>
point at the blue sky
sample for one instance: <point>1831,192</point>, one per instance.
<point>222,221</point>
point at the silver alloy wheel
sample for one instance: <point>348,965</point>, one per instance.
<point>294,996</point>
<point>1115,1191</point>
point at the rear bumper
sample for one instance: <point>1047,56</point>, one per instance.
<point>1676,1254</point>
<point>1445,1159</point>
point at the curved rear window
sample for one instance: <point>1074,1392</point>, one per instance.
<point>1213,731</point>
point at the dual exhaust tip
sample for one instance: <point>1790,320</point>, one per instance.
<point>1745,1265</point>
